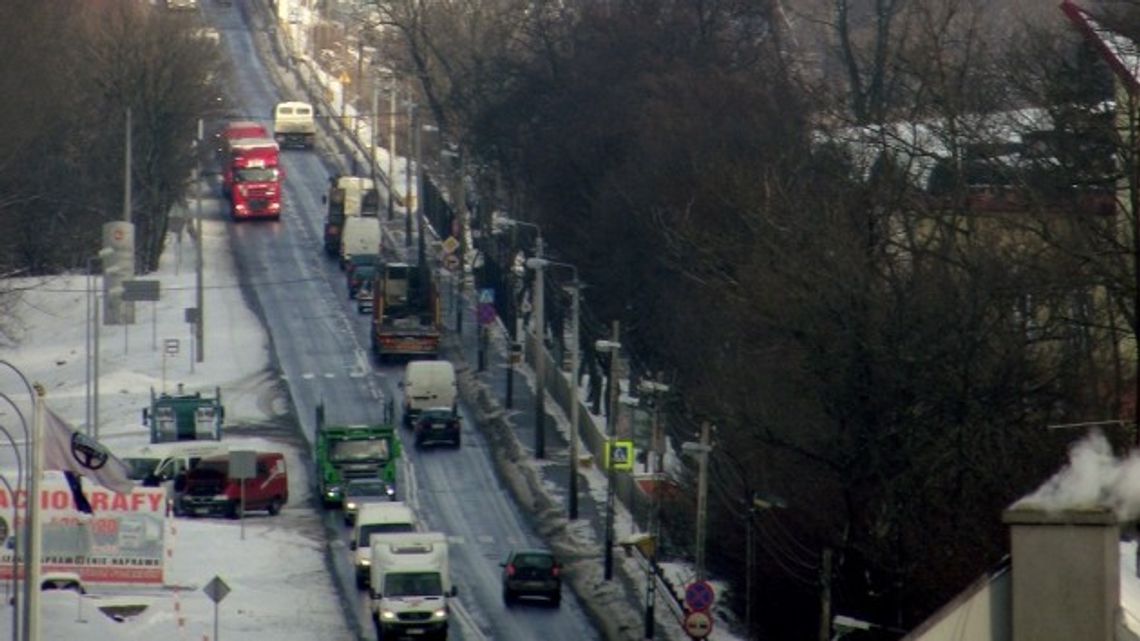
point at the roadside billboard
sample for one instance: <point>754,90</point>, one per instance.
<point>122,542</point>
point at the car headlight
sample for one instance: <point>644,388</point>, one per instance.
<point>439,614</point>
<point>333,491</point>
<point>350,505</point>
<point>366,562</point>
<point>387,615</point>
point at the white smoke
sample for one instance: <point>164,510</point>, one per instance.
<point>1094,477</point>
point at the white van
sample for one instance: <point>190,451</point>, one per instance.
<point>411,585</point>
<point>361,235</point>
<point>427,384</point>
<point>161,464</point>
<point>294,124</point>
<point>154,464</point>
<point>376,518</point>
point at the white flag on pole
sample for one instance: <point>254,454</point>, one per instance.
<point>67,450</point>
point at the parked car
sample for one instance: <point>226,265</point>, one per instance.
<point>358,276</point>
<point>359,492</point>
<point>531,573</point>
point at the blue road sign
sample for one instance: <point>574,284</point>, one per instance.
<point>699,596</point>
<point>487,296</point>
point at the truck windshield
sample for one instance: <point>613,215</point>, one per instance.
<point>413,584</point>
<point>348,451</point>
<point>256,175</point>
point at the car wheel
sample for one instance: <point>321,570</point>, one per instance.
<point>274,507</point>
<point>556,600</point>
<point>508,597</point>
<point>232,510</point>
<point>457,442</point>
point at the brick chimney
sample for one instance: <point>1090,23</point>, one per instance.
<point>1066,573</point>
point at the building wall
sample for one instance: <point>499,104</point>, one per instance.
<point>980,613</point>
<point>1066,573</point>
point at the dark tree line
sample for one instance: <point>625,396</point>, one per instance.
<point>69,72</point>
<point>879,350</point>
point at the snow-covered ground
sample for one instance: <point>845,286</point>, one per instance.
<point>280,588</point>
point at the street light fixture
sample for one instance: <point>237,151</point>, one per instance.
<point>575,287</point>
<point>612,347</point>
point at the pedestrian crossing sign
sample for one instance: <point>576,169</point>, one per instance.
<point>619,454</point>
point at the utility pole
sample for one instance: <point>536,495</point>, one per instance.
<point>461,212</point>
<point>391,148</point>
<point>702,498</point>
<point>825,595</point>
<point>374,134</point>
<point>655,390</point>
<point>199,295</point>
<point>539,358</point>
<point>612,346</point>
<point>576,292</point>
<point>701,450</point>
<point>409,195</point>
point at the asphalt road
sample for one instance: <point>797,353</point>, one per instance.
<point>320,344</point>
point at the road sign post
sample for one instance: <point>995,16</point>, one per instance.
<point>217,590</point>
<point>243,466</point>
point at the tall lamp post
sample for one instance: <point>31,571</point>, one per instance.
<point>391,144</point>
<point>655,390</point>
<point>611,346</point>
<point>540,347</point>
<point>701,450</point>
<point>575,296</point>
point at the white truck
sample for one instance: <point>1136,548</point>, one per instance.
<point>294,124</point>
<point>411,585</point>
<point>373,519</point>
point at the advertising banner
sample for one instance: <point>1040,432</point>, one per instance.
<point>122,542</point>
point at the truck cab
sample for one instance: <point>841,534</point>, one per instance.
<point>253,178</point>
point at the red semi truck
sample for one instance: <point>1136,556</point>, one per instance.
<point>253,178</point>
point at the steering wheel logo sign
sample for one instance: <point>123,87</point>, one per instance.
<point>87,452</point>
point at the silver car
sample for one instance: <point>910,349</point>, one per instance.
<point>360,491</point>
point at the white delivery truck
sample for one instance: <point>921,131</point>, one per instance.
<point>377,518</point>
<point>294,124</point>
<point>427,384</point>
<point>361,235</point>
<point>411,585</point>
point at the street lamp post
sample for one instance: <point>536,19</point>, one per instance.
<point>611,346</point>
<point>391,146</point>
<point>409,197</point>
<point>701,450</point>
<point>575,295</point>
<point>654,390</point>
<point>540,348</point>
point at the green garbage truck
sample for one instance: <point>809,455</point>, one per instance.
<point>350,450</point>
<point>184,417</point>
